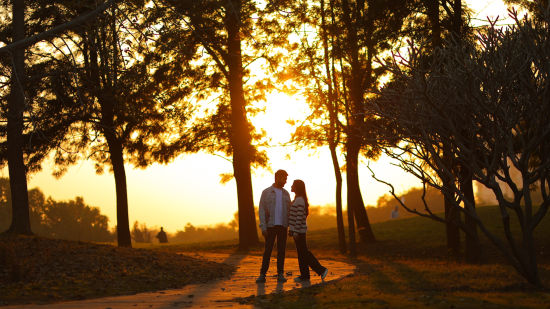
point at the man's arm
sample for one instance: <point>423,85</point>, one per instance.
<point>261,212</point>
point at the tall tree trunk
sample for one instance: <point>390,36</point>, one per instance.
<point>117,160</point>
<point>240,132</point>
<point>20,222</point>
<point>333,134</point>
<point>355,124</point>
<point>473,248</point>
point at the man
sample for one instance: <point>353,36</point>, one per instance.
<point>273,212</point>
<point>162,236</point>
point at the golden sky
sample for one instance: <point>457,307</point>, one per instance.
<point>188,190</point>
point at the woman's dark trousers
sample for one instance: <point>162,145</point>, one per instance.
<point>278,232</point>
<point>306,259</point>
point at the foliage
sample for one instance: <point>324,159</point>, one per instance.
<point>69,220</point>
<point>74,220</point>
<point>141,233</point>
<point>66,270</point>
<point>192,234</point>
<point>487,103</point>
<point>46,118</point>
<point>194,36</point>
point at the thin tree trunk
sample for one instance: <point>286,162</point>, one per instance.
<point>527,235</point>
<point>240,133</point>
<point>354,192</point>
<point>333,134</point>
<point>530,263</point>
<point>452,215</point>
<point>473,248</point>
<point>457,19</point>
<point>351,232</point>
<point>433,16</point>
<point>20,222</point>
<point>339,215</point>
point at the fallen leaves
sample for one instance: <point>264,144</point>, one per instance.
<point>35,269</point>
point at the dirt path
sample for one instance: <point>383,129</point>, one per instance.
<point>214,294</point>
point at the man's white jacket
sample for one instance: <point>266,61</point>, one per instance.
<point>267,208</point>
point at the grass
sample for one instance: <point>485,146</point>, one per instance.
<point>408,267</point>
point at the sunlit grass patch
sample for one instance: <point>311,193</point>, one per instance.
<point>410,267</point>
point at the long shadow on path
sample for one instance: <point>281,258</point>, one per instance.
<point>218,293</point>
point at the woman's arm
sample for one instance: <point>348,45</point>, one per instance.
<point>292,217</point>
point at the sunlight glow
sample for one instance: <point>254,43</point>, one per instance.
<point>279,109</point>
<point>189,189</point>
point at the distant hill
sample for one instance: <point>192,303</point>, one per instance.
<point>325,216</point>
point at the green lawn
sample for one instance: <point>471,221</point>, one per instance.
<point>410,267</point>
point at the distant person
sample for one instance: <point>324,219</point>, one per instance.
<point>162,236</point>
<point>299,211</point>
<point>395,212</point>
<point>273,213</point>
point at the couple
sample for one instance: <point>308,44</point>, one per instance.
<point>277,213</point>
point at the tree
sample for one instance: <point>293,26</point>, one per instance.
<point>25,148</point>
<point>313,68</point>
<point>537,8</point>
<point>140,233</point>
<point>125,108</point>
<point>72,220</point>
<point>223,38</point>
<point>489,103</point>
<point>336,65</point>
<point>431,24</point>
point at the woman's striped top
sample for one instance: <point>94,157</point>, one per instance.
<point>297,216</point>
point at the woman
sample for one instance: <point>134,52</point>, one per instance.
<point>297,228</point>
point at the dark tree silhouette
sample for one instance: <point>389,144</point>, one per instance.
<point>486,102</point>
<point>28,135</point>
<point>126,110</point>
<point>72,220</point>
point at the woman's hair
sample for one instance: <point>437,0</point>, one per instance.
<point>300,190</point>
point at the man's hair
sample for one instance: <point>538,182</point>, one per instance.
<point>281,172</point>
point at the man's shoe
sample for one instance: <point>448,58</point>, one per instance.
<point>281,278</point>
<point>300,279</point>
<point>324,274</point>
<point>261,279</point>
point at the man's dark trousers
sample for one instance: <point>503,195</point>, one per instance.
<point>279,232</point>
